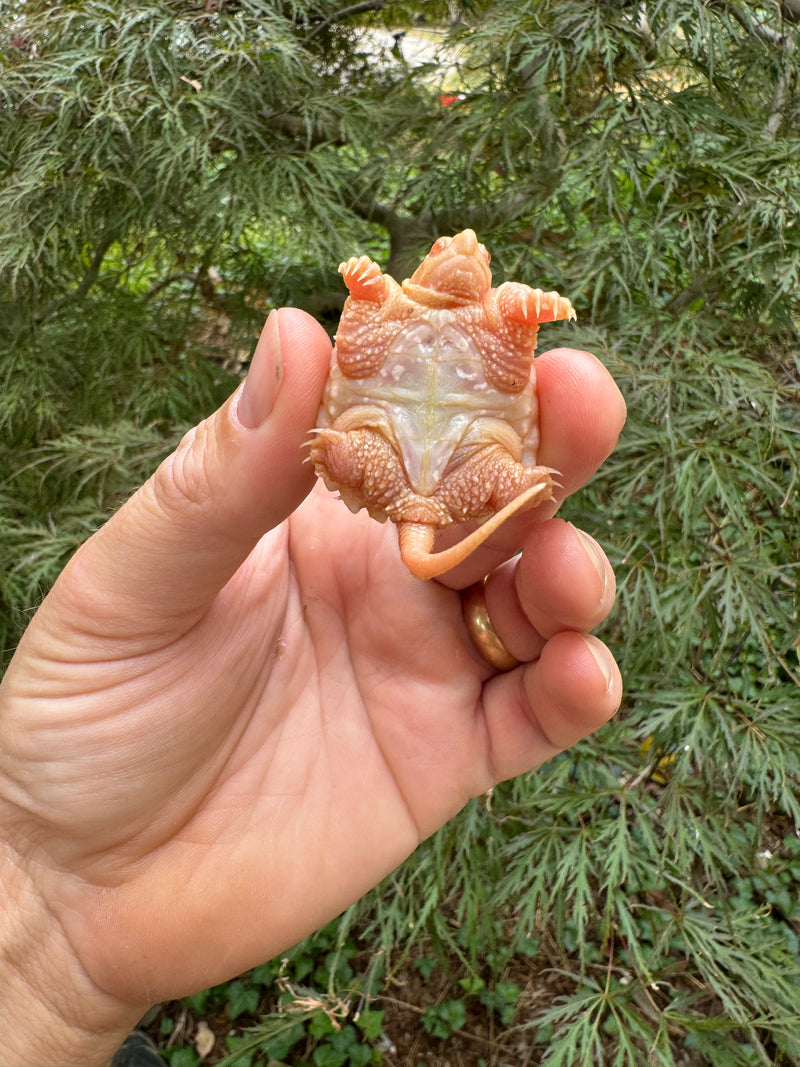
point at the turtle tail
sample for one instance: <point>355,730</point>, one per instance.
<point>416,538</point>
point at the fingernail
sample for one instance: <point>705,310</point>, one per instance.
<point>602,658</point>
<point>263,381</point>
<point>595,554</point>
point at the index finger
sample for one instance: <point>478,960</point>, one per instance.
<point>581,415</point>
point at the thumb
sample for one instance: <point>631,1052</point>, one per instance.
<point>169,550</point>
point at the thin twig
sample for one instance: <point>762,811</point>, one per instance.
<point>181,276</point>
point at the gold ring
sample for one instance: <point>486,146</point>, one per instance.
<point>482,634</point>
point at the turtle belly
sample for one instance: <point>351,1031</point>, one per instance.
<point>432,393</point>
<point>434,380</point>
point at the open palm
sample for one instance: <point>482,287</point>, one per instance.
<point>215,738</point>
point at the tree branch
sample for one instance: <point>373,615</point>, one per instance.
<point>753,26</point>
<point>365,206</point>
<point>345,12</point>
<point>409,233</point>
<point>782,88</point>
<point>790,11</point>
<point>312,135</point>
<point>86,282</point>
<point>171,279</point>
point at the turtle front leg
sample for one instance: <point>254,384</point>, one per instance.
<point>365,279</point>
<point>521,304</point>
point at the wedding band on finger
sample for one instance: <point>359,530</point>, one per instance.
<point>481,632</point>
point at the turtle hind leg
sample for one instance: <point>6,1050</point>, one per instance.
<point>364,467</point>
<point>488,481</point>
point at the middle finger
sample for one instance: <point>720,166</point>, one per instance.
<point>562,581</point>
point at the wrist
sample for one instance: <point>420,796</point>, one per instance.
<point>50,1011</point>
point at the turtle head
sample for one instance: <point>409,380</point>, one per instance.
<point>455,272</point>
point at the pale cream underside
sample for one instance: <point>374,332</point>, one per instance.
<point>430,397</point>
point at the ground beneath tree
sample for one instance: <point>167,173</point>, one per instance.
<point>482,1039</point>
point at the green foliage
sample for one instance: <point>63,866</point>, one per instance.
<point>170,171</point>
<point>182,1057</point>
<point>440,1020</point>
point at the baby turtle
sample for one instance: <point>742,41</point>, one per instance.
<point>429,416</point>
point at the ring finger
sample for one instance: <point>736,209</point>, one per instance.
<point>562,581</point>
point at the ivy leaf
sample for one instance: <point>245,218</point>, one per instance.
<point>370,1023</point>
<point>242,1000</point>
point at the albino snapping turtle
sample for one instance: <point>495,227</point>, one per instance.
<point>429,416</point>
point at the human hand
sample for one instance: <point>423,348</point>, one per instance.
<point>214,738</point>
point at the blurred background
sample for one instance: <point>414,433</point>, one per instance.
<point>171,170</point>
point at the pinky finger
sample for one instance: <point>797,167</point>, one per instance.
<point>542,708</point>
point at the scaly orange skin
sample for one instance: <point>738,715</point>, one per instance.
<point>429,417</point>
